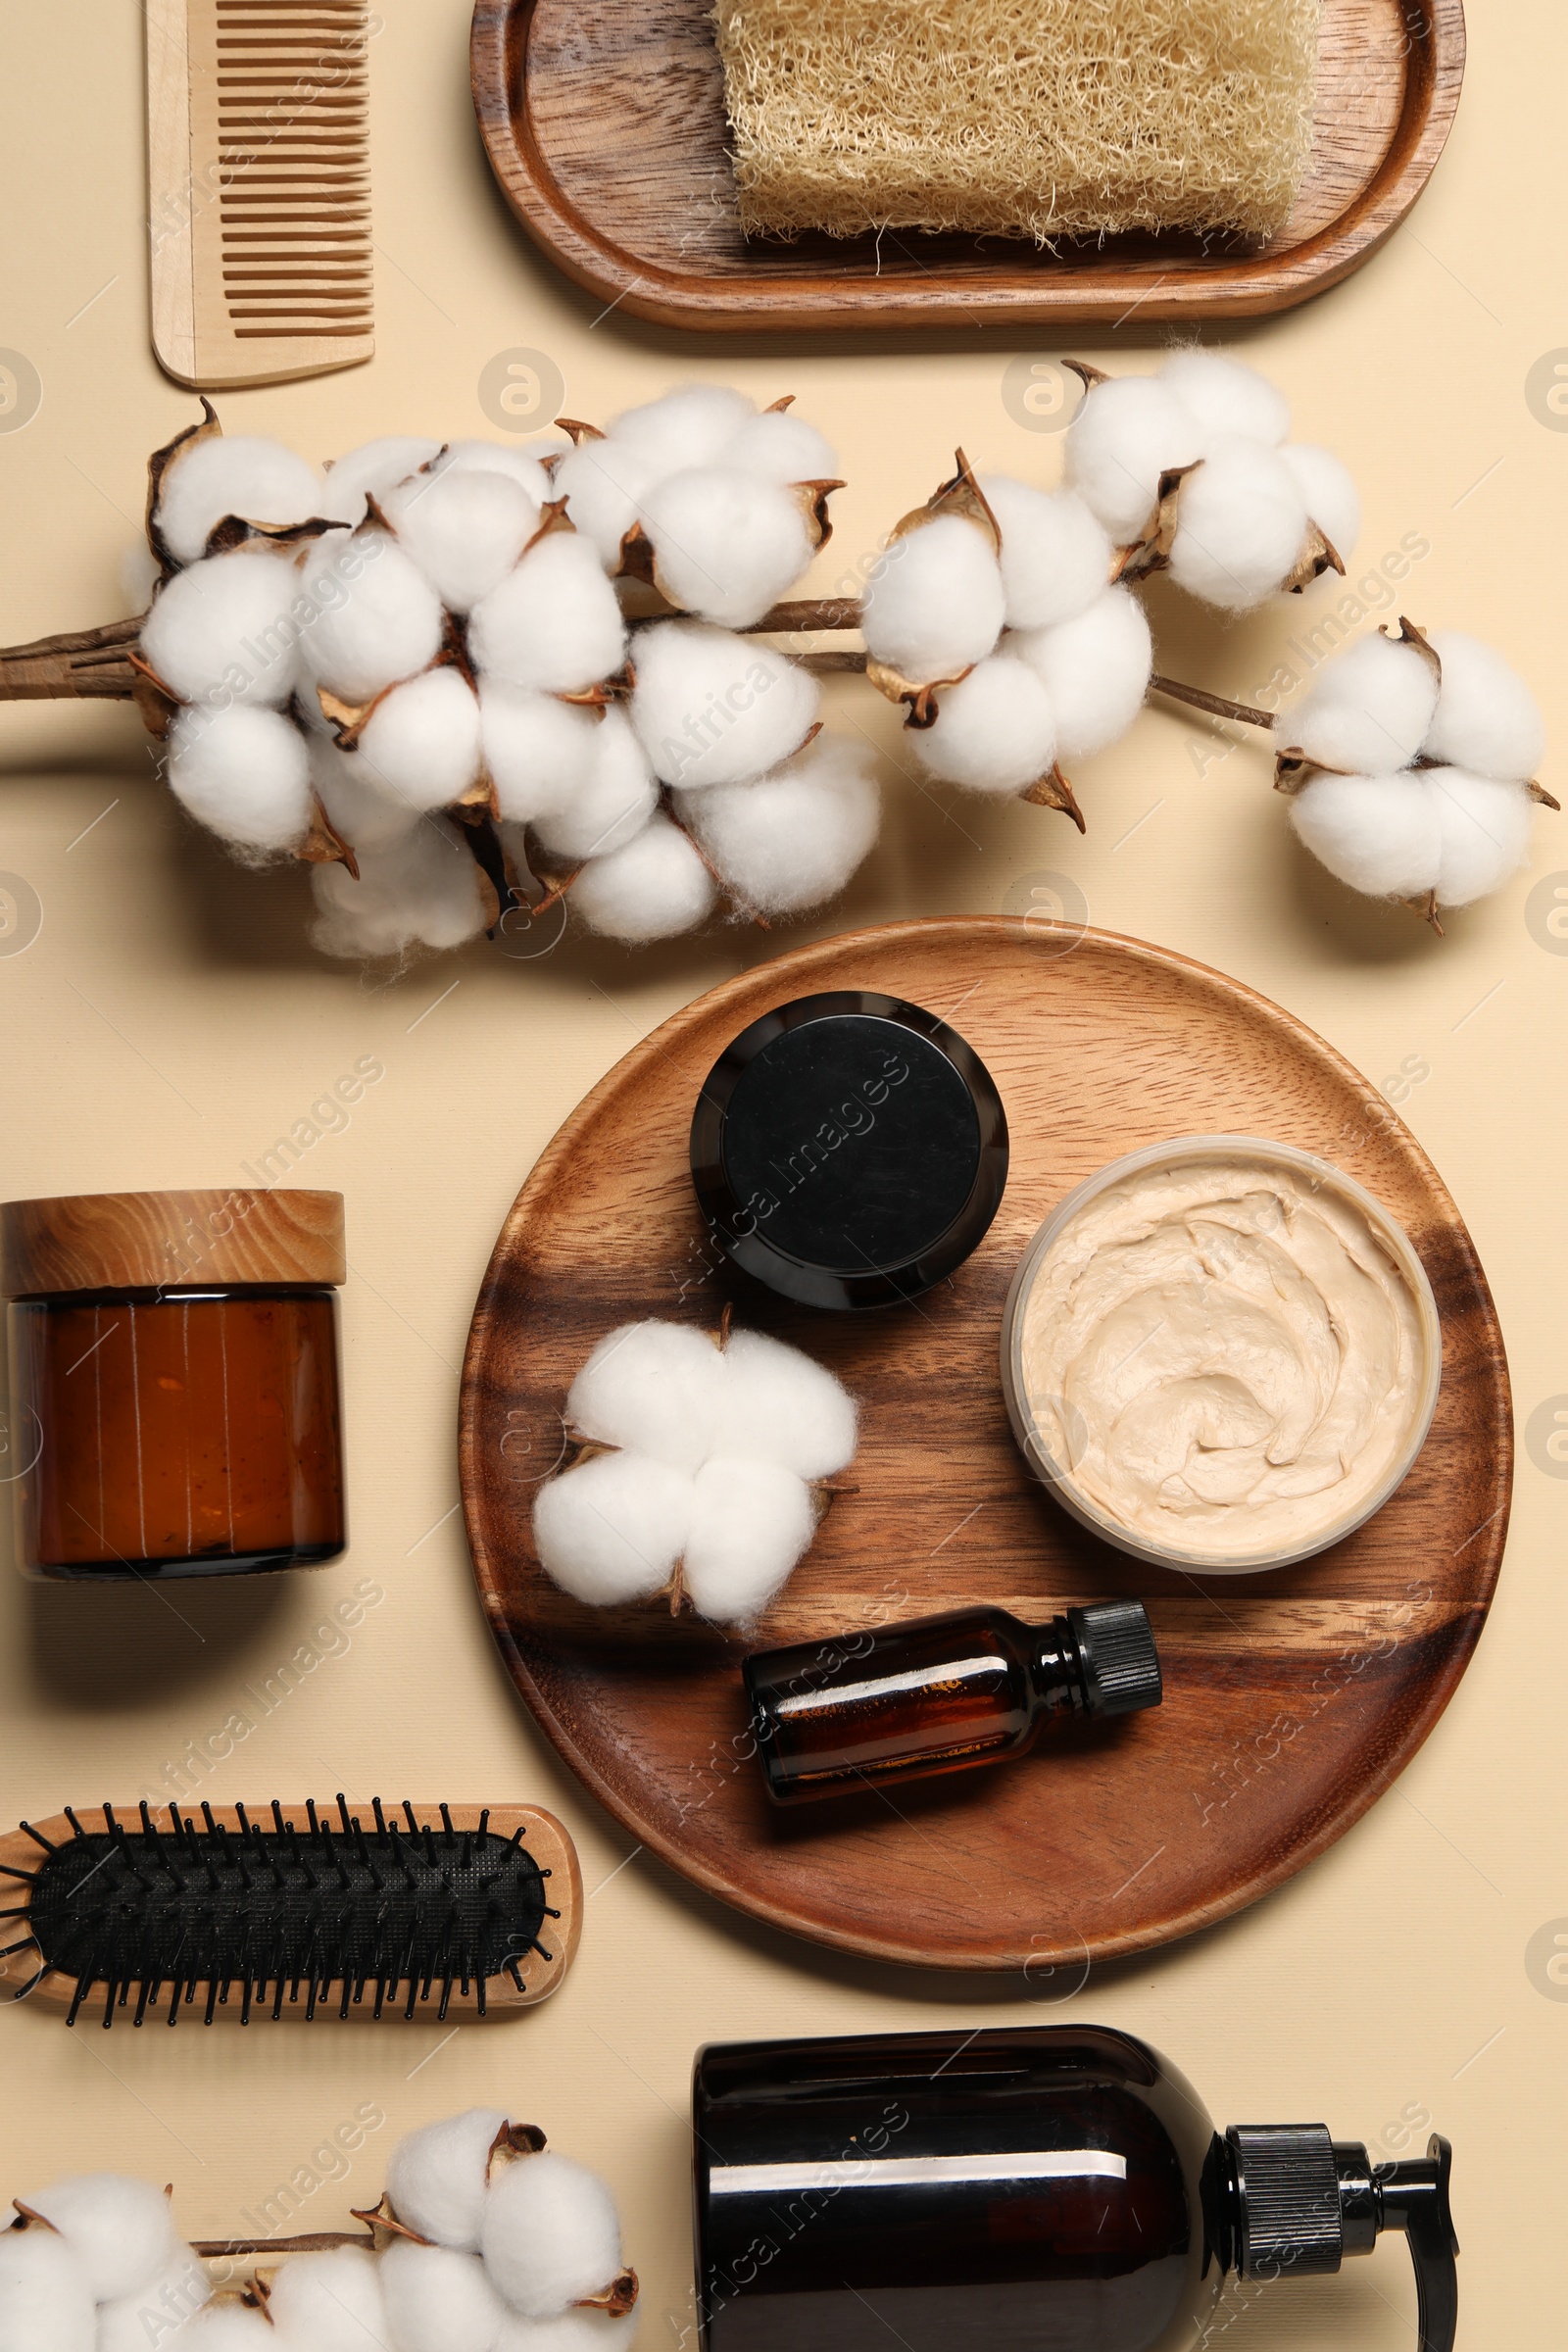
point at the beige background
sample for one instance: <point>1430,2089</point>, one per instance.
<point>170,1021</point>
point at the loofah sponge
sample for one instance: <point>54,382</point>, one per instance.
<point>1024,117</point>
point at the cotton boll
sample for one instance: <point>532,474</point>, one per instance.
<point>1380,834</point>
<point>419,890</point>
<point>750,1521</point>
<point>358,806</point>
<point>422,743</point>
<point>244,774</point>
<point>609,1531</point>
<point>118,2231</point>
<point>521,465</point>
<point>709,708</point>
<point>603,484</point>
<point>330,2302</point>
<point>435,2177</point>
<point>689,426</point>
<point>653,887</point>
<point>46,2304</point>
<point>995,732</point>
<point>609,805</point>
<point>554,622</point>
<point>551,2235</point>
<point>1487,719</point>
<point>1227,398</point>
<point>438,2301</point>
<point>1327,493</point>
<point>1240,527</point>
<point>570,2331</point>
<point>787,841</point>
<point>371,630</point>
<point>260,480</point>
<point>935,600</point>
<point>1483,825</point>
<point>1126,434</point>
<point>726,546</point>
<point>464,530</point>
<point>371,471</point>
<point>537,749</point>
<point>231,2327</point>
<point>225,626</point>
<point>656,1387</point>
<point>780,447</point>
<point>155,2314</point>
<point>1096,670</point>
<point>1055,557</point>
<point>1367,711</point>
<point>782,1406</point>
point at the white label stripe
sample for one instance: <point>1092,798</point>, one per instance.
<point>915,2171</point>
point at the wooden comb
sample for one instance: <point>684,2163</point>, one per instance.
<point>259,193</point>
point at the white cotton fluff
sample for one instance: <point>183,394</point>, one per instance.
<point>1487,719</point>
<point>1484,827</point>
<point>554,622</point>
<point>1240,527</point>
<point>995,731</point>
<point>656,1387</point>
<point>155,2314</point>
<point>438,2301</point>
<point>358,804</point>
<point>371,471</point>
<point>382,625</point>
<point>45,2302</point>
<point>231,2328</point>
<point>726,546</point>
<point>653,887</point>
<point>603,484</point>
<point>226,627</point>
<point>1096,670</point>
<point>1055,557</point>
<point>1380,834</point>
<point>1367,711</point>
<point>244,774</point>
<point>609,1531</point>
<point>709,708</point>
<point>120,2230</point>
<point>259,480</point>
<point>750,1521</point>
<point>419,890</point>
<point>569,2331</point>
<point>1327,493</point>
<point>689,426</point>
<point>551,2235</point>
<point>466,531</point>
<point>1227,398</point>
<point>780,447</point>
<point>537,749</point>
<point>435,2177</point>
<point>421,742</point>
<point>789,840</point>
<point>519,466</point>
<point>780,1405</point>
<point>1126,434</point>
<point>935,603</point>
<point>610,803</point>
<point>330,2301</point>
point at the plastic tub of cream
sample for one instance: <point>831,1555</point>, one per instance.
<point>1222,1354</point>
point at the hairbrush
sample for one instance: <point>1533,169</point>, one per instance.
<point>209,1910</point>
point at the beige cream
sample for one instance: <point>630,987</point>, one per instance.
<point>1226,1352</point>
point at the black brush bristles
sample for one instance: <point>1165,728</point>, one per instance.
<point>282,1914</point>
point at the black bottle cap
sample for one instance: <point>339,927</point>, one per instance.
<point>1287,2198</point>
<point>1117,1655</point>
<point>848,1149</point>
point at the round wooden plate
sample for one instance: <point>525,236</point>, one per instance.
<point>1293,1699</point>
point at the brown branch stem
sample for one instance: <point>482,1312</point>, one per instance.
<point>80,665</point>
<point>213,2249</point>
<point>802,614</point>
<point>1219,706</point>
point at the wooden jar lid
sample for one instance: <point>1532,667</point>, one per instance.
<point>163,1241</point>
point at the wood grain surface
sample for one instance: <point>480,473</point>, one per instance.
<point>1292,1698</point>
<point>604,122</point>
<point>160,1240</point>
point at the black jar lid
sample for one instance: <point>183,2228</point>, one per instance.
<point>848,1149</point>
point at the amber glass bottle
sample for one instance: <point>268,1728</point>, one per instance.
<point>175,1405</point>
<point>940,1693</point>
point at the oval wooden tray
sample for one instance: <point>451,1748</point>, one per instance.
<point>1293,1699</point>
<point>604,124</point>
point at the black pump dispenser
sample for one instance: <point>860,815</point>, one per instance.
<point>1053,2188</point>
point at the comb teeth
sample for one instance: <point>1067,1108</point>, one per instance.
<point>282,1914</point>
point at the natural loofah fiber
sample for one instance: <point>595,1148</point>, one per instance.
<point>1026,118</point>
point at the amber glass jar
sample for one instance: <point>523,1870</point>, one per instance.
<point>174,1405</point>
